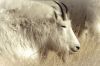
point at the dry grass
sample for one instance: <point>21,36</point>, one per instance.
<point>87,56</point>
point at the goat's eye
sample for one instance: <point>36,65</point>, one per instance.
<point>63,26</point>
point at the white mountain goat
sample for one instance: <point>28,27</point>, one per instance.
<point>29,29</point>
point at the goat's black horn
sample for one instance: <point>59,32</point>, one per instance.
<point>65,7</point>
<point>63,13</point>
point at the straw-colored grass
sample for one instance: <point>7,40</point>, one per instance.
<point>89,54</point>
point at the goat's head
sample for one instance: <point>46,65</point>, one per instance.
<point>65,37</point>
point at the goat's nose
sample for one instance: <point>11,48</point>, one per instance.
<point>77,47</point>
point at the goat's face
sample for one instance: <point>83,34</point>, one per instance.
<point>63,37</point>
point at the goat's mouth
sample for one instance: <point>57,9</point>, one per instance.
<point>73,51</point>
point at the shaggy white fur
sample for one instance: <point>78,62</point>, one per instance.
<point>29,29</point>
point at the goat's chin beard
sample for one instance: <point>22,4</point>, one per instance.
<point>61,55</point>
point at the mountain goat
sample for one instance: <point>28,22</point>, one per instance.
<point>29,29</point>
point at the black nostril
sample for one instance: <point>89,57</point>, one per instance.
<point>78,47</point>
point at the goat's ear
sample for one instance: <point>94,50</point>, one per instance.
<point>55,14</point>
<point>53,7</point>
